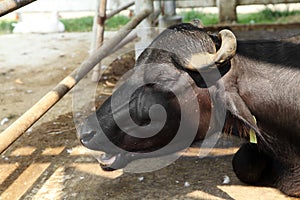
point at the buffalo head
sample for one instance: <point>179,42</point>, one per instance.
<point>165,105</point>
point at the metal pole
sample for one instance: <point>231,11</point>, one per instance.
<point>169,8</point>
<point>7,6</point>
<point>16,129</point>
<point>169,16</point>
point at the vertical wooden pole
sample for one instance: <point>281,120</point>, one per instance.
<point>227,11</point>
<point>101,17</point>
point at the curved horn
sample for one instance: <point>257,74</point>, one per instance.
<point>228,46</point>
<point>203,61</point>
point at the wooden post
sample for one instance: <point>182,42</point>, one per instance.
<point>16,129</point>
<point>101,17</point>
<point>144,32</point>
<point>99,27</point>
<point>227,11</point>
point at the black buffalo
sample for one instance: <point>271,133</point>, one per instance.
<point>245,79</point>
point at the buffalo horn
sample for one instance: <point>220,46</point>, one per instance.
<point>203,61</point>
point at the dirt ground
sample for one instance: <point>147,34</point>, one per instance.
<point>48,162</point>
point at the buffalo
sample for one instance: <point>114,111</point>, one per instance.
<point>207,83</point>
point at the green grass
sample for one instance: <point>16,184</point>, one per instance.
<point>6,26</point>
<point>265,16</point>
<point>85,24</point>
<point>206,19</point>
<point>116,22</point>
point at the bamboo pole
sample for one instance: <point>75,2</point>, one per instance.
<point>112,13</point>
<point>7,6</point>
<point>16,129</point>
<point>129,38</point>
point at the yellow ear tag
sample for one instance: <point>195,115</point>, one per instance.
<point>252,134</point>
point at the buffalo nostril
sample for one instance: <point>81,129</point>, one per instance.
<point>85,137</point>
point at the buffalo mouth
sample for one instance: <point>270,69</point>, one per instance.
<point>107,159</point>
<point>111,162</point>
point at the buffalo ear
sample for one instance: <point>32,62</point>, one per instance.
<point>197,22</point>
<point>238,108</point>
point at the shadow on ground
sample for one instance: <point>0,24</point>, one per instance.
<point>49,163</point>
